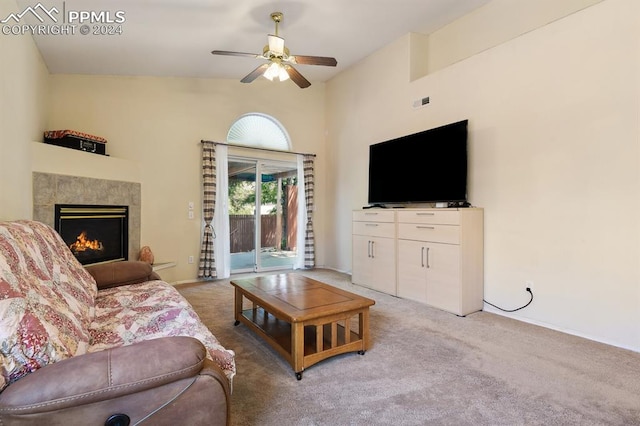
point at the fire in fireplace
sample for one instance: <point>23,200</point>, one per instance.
<point>84,244</point>
<point>94,233</point>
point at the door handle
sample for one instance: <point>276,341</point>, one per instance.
<point>372,251</point>
<point>422,257</point>
<point>428,265</point>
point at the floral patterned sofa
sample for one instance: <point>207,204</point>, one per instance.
<point>107,344</point>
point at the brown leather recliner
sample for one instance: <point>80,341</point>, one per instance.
<point>167,381</point>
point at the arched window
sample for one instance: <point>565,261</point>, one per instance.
<point>260,131</point>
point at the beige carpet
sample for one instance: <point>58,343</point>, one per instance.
<point>426,366</point>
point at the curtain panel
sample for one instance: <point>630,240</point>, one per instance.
<point>207,264</point>
<point>221,217</point>
<point>309,240</point>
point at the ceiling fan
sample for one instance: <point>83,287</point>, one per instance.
<point>280,61</point>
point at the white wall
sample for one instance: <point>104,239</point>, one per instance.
<point>493,24</point>
<point>159,123</point>
<point>23,105</point>
<point>554,161</point>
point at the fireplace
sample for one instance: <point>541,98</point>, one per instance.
<point>94,233</point>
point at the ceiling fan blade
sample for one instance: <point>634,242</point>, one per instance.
<point>297,77</point>
<point>255,73</point>
<point>228,53</point>
<point>313,60</point>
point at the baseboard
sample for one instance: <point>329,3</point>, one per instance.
<point>559,329</point>
<point>333,269</point>
<point>194,280</point>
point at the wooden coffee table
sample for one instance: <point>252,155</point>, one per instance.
<point>304,320</point>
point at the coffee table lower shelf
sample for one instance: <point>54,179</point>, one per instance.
<point>323,338</point>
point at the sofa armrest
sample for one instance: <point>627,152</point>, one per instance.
<point>121,273</point>
<point>106,375</point>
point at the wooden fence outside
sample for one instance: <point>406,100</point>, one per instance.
<point>243,232</point>
<point>242,227</point>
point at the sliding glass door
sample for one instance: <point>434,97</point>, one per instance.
<point>263,209</point>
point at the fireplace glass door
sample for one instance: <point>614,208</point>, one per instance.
<point>94,234</point>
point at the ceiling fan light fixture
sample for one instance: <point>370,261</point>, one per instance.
<point>276,71</point>
<point>283,74</point>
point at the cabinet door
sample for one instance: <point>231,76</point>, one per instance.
<point>362,272</point>
<point>412,272</point>
<point>384,261</point>
<point>443,277</point>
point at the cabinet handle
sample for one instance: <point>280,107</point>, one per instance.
<point>371,224</point>
<point>425,227</point>
<point>372,256</point>
<point>422,257</point>
<point>428,266</point>
<point>371,214</point>
<point>426,214</point>
<point>369,248</point>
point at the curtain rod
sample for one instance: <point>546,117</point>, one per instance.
<point>253,147</point>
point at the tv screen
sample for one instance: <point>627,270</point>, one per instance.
<point>429,166</point>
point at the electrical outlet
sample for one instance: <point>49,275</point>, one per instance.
<point>190,260</point>
<point>191,205</point>
<point>528,285</point>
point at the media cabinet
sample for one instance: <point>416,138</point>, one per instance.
<point>434,256</point>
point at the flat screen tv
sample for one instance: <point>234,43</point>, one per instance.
<point>425,167</point>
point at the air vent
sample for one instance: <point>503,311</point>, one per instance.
<point>419,103</point>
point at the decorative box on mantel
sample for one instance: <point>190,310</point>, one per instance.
<point>76,140</point>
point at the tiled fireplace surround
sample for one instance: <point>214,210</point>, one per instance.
<point>50,189</point>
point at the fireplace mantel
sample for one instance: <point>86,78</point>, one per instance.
<point>47,158</point>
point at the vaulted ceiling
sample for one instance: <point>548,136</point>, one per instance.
<point>175,37</point>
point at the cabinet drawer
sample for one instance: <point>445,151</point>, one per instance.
<point>449,234</point>
<point>374,229</point>
<point>441,217</point>
<point>373,216</point>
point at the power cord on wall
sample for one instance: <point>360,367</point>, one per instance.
<point>513,310</point>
